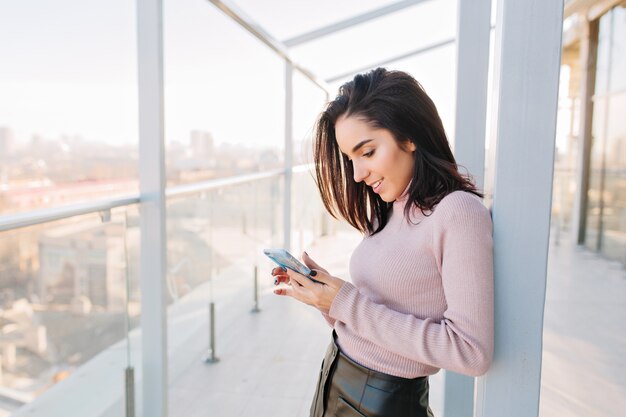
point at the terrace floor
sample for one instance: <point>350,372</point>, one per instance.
<point>269,360</point>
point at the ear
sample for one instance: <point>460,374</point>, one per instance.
<point>410,146</point>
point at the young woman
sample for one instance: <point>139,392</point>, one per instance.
<point>421,295</point>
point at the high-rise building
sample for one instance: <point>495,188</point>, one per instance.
<point>6,142</point>
<point>201,144</point>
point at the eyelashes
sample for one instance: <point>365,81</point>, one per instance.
<point>365,155</point>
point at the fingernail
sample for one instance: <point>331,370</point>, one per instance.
<point>306,253</point>
<point>313,273</point>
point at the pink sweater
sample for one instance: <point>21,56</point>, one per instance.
<point>421,296</point>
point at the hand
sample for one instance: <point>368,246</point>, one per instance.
<point>320,296</point>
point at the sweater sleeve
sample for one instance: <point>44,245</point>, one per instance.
<point>329,320</point>
<point>463,340</point>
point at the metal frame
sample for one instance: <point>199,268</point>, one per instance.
<point>288,154</point>
<point>347,23</point>
<point>32,218</point>
<point>261,34</point>
<point>409,54</point>
<point>526,78</point>
<point>36,217</point>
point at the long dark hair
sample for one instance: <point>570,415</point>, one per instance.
<point>395,101</point>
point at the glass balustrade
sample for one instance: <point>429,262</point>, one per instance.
<point>70,304</point>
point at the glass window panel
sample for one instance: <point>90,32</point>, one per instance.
<point>224,96</point>
<point>68,107</point>
<point>618,49</point>
<point>614,212</point>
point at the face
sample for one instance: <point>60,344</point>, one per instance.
<point>376,157</point>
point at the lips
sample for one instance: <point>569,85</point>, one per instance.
<point>376,185</point>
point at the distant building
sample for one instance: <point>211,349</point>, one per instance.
<point>6,142</point>
<point>201,144</point>
<point>82,265</point>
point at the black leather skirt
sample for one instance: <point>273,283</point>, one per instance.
<point>347,389</point>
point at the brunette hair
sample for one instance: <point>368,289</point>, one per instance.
<point>395,101</point>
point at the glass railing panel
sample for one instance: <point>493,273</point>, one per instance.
<point>68,108</point>
<point>308,102</point>
<point>70,303</point>
<point>224,95</point>
<point>309,219</point>
<point>215,242</point>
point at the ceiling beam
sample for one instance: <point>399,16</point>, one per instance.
<point>347,23</point>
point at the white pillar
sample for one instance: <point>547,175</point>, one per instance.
<point>472,66</point>
<point>152,188</point>
<point>288,154</point>
<point>528,55</point>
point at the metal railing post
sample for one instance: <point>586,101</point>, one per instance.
<point>129,380</point>
<point>288,155</point>
<point>256,308</point>
<point>210,356</point>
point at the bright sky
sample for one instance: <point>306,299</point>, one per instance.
<point>69,66</point>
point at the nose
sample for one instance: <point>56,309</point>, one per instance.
<point>360,172</point>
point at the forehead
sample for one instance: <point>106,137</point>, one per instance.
<point>352,130</point>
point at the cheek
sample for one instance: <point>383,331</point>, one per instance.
<point>401,164</point>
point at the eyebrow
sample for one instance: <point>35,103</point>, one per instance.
<point>360,144</point>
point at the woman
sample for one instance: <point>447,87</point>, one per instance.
<point>421,296</point>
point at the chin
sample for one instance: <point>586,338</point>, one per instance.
<point>387,199</point>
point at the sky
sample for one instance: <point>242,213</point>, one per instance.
<point>69,67</point>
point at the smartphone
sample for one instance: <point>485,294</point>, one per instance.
<point>286,260</point>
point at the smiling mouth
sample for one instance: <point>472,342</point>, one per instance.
<point>376,185</point>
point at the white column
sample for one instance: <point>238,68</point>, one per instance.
<point>152,187</point>
<point>472,65</point>
<point>528,54</point>
<point>288,154</point>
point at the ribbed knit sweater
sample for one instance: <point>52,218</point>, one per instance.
<point>421,296</point>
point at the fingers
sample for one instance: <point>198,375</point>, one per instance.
<point>281,279</point>
<point>278,271</point>
<point>301,280</point>
<point>311,263</point>
<point>280,291</point>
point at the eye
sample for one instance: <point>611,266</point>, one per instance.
<point>368,154</point>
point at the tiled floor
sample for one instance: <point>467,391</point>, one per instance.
<point>269,360</point>
<point>584,366</point>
